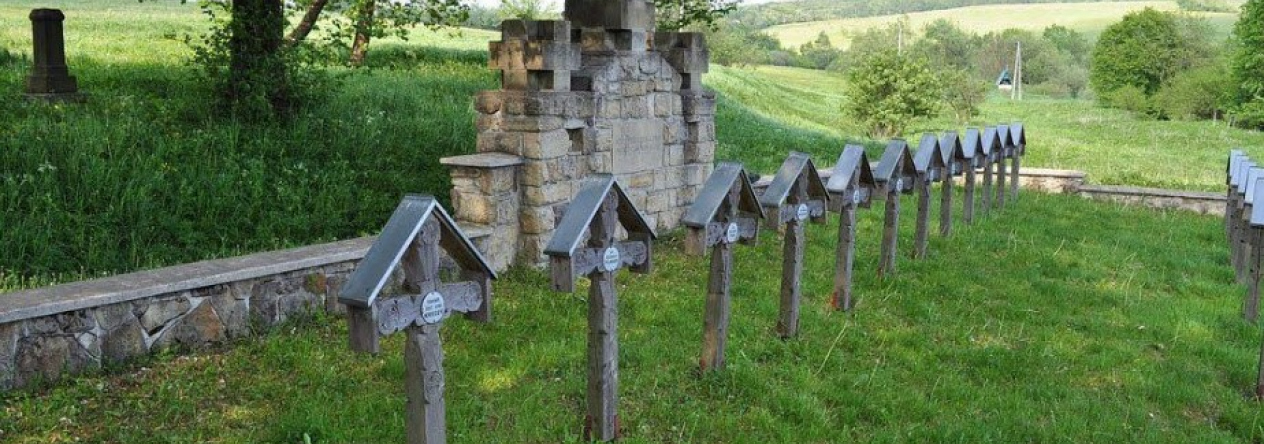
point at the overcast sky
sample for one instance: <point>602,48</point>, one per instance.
<point>557,4</point>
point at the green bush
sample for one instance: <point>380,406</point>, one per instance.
<point>887,92</point>
<point>1200,93</point>
<point>1130,98</point>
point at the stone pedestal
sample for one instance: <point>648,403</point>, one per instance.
<point>50,78</point>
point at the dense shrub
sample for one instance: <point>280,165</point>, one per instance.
<point>887,92</point>
<point>1200,93</point>
<point>1128,97</point>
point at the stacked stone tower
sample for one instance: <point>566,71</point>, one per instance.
<point>599,92</point>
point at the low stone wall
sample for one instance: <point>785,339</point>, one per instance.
<point>1198,202</point>
<point>70,328</point>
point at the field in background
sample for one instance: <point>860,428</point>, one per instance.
<point>1089,18</point>
<point>1058,319</point>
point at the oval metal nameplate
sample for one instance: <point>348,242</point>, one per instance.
<point>732,233</point>
<point>855,196</point>
<point>610,259</point>
<point>433,308</point>
<point>803,212</point>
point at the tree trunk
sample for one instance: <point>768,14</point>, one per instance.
<point>257,75</point>
<point>363,30</point>
<point>305,26</point>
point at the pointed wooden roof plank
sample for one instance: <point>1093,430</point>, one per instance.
<point>1235,156</point>
<point>1257,211</point>
<point>1252,176</point>
<point>582,209</point>
<point>991,142</point>
<point>928,154</point>
<point>716,190</point>
<point>1018,136</point>
<point>896,164</point>
<point>793,167</point>
<point>366,282</point>
<point>973,148</point>
<point>853,156</point>
<point>1243,169</point>
<point>951,149</point>
<point>1007,140</point>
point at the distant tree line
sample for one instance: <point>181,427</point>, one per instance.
<point>772,14</point>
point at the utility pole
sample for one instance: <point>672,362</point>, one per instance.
<point>1017,92</point>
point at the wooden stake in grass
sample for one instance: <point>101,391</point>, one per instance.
<point>894,175</point>
<point>795,195</point>
<point>954,166</point>
<point>1017,136</point>
<point>1241,252</point>
<point>972,149</point>
<point>1252,221</point>
<point>930,169</point>
<point>411,240</point>
<point>598,210</point>
<point>725,212</point>
<point>851,186</point>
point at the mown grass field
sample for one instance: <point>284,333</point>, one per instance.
<point>1089,18</point>
<point>1056,320</point>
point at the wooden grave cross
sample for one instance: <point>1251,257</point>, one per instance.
<point>991,153</point>
<point>411,240</point>
<point>974,158</point>
<point>954,166</point>
<point>1004,135</point>
<point>1235,156</point>
<point>1240,251</point>
<point>1232,206</point>
<point>795,195</point>
<point>725,212</point>
<point>1256,228</point>
<point>598,210</point>
<point>851,185</point>
<point>894,175</point>
<point>1018,147</point>
<point>930,168</point>
<point>1252,242</point>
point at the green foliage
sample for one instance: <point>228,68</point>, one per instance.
<point>737,45</point>
<point>945,44</point>
<point>778,13</point>
<point>963,93</point>
<point>1128,98</point>
<point>887,92</point>
<point>819,54</point>
<point>704,14</point>
<point>1247,64</point>
<point>1199,93</point>
<point>1070,43</point>
<point>1143,51</point>
<point>528,10</point>
<point>1206,5</point>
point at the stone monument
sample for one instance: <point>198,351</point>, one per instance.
<point>50,78</point>
<point>598,92</point>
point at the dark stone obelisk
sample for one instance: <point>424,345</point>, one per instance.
<point>50,78</point>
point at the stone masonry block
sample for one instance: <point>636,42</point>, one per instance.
<point>637,107</point>
<point>661,201</point>
<point>699,152</point>
<point>538,220</point>
<point>556,30</point>
<point>698,107</point>
<point>498,180</point>
<point>500,142</point>
<point>701,132</point>
<point>533,55</point>
<point>532,123</point>
<point>601,162</point>
<point>675,155</point>
<point>623,14</point>
<point>546,145</point>
<point>531,248</point>
<point>529,80</point>
<point>548,194</point>
<point>694,174</point>
<point>474,207</point>
<point>489,102</point>
<point>639,181</point>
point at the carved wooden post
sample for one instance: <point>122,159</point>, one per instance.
<point>930,168</point>
<point>850,186</point>
<point>894,175</point>
<point>1251,223</point>
<point>954,166</point>
<point>725,212</point>
<point>1233,210</point>
<point>1235,156</point>
<point>795,194</point>
<point>1003,134</point>
<point>599,209</point>
<point>991,148</point>
<point>1018,136</point>
<point>972,149</point>
<point>1241,250</point>
<point>411,240</point>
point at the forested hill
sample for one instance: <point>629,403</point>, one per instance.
<point>772,14</point>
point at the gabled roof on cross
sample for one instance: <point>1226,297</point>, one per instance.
<point>366,282</point>
<point>896,161</point>
<point>950,147</point>
<point>852,159</point>
<point>796,165</point>
<point>973,144</point>
<point>582,210</point>
<point>716,190</point>
<point>928,154</point>
<point>992,140</point>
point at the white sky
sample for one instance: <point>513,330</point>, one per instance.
<point>557,4</point>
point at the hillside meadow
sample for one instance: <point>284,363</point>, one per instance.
<point>1088,18</point>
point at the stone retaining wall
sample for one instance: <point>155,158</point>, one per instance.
<point>1198,202</point>
<point>71,328</point>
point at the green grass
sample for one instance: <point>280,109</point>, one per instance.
<point>1058,319</point>
<point>1089,18</point>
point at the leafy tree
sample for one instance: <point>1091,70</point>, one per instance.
<point>706,14</point>
<point>945,44</point>
<point>1143,50</point>
<point>1247,65</point>
<point>737,45</point>
<point>819,54</point>
<point>873,41</point>
<point>1070,43</point>
<point>360,21</point>
<point>963,92</point>
<point>1199,93</point>
<point>528,10</point>
<point>887,92</point>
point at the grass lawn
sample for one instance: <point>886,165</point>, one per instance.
<point>1058,319</point>
<point>1089,18</point>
